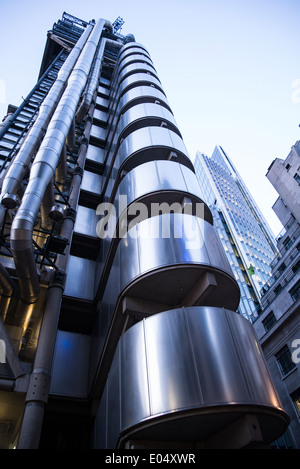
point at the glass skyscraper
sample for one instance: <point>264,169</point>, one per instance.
<point>245,235</point>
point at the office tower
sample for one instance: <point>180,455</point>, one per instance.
<point>247,240</point>
<point>117,299</point>
<point>278,325</point>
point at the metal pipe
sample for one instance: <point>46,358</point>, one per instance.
<point>19,166</point>
<point>5,126</point>
<point>94,79</point>
<point>46,206</point>
<point>43,169</point>
<point>35,404</point>
<point>71,136</point>
<point>61,169</point>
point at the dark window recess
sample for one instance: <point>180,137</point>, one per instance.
<point>297,177</point>
<point>277,289</point>
<point>295,396</point>
<point>284,360</point>
<point>281,268</point>
<point>295,291</point>
<point>296,267</point>
<point>269,321</point>
<point>287,243</point>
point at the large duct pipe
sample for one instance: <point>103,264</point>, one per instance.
<point>61,169</point>
<point>43,169</point>
<point>19,166</point>
<point>35,402</point>
<point>93,82</point>
<point>46,205</point>
<point>71,136</point>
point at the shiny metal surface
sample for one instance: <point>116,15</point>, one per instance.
<point>155,176</point>
<point>136,67</point>
<point>136,80</point>
<point>133,48</point>
<point>43,169</point>
<point>166,271</point>
<point>169,240</point>
<point>141,93</point>
<point>69,371</point>
<point>19,166</point>
<point>147,143</point>
<point>95,154</point>
<point>98,132</point>
<point>135,58</point>
<point>182,378</point>
<point>140,146</point>
<point>100,115</point>
<point>86,221</point>
<point>133,97</point>
<point>154,182</point>
<point>93,80</point>
<point>80,286</point>
<point>91,182</point>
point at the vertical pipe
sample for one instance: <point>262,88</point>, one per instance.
<point>35,404</point>
<point>43,169</point>
<point>19,166</point>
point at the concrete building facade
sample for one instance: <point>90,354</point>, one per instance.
<point>278,326</point>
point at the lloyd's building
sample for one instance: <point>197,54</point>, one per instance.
<point>118,306</point>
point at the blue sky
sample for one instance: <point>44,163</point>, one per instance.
<point>230,70</point>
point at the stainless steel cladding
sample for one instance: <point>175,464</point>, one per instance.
<point>191,367</point>
<point>183,375</point>
<point>43,168</point>
<point>17,170</point>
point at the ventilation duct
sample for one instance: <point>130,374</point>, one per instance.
<point>43,169</point>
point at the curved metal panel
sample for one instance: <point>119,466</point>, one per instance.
<point>191,369</point>
<point>166,271</point>
<point>140,93</point>
<point>161,139</point>
<point>136,79</point>
<point>135,58</point>
<point>130,49</point>
<point>166,240</point>
<point>136,67</point>
<point>155,176</point>
<point>145,114</point>
<point>140,146</point>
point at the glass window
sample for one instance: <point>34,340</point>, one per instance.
<point>295,291</point>
<point>284,360</point>
<point>269,321</point>
<point>277,289</point>
<point>296,267</point>
<point>295,396</point>
<point>287,243</point>
<point>297,177</point>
